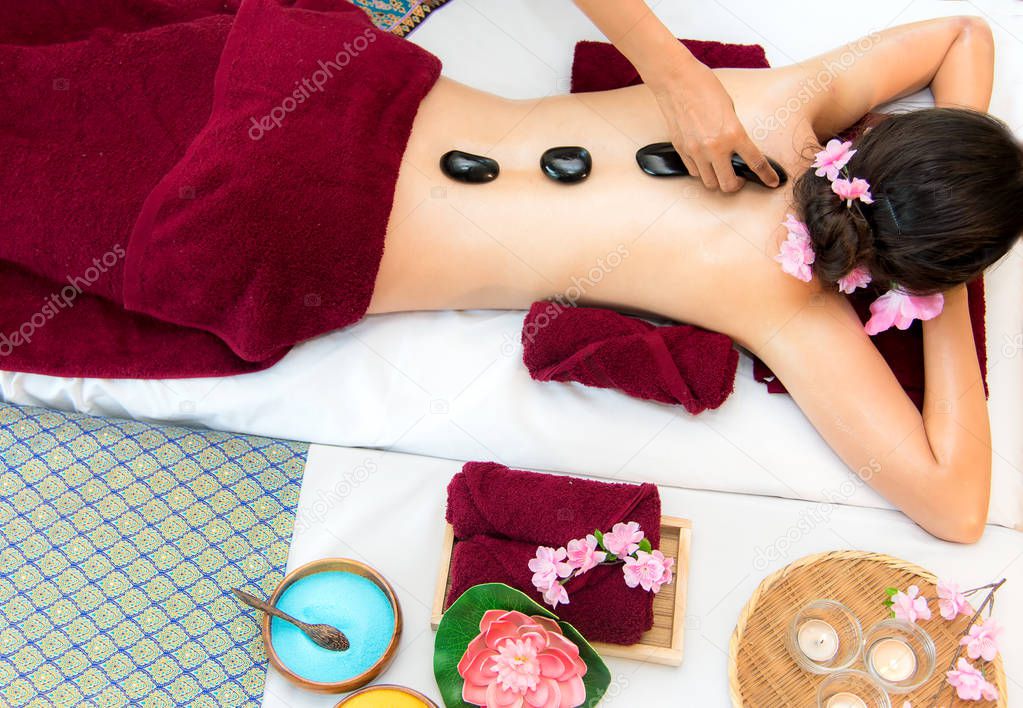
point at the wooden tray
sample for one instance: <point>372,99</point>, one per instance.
<point>661,644</point>
<point>760,671</point>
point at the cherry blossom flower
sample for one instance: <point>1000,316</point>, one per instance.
<point>832,158</point>
<point>796,254</point>
<point>909,606</point>
<point>521,661</point>
<point>583,554</point>
<point>858,277</point>
<point>548,566</point>
<point>969,683</point>
<point>899,308</point>
<point>648,570</point>
<point>623,539</point>
<point>556,595</point>
<point>982,640</point>
<point>850,190</point>
<point>951,602</point>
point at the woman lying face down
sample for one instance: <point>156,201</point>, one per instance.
<point>921,203</point>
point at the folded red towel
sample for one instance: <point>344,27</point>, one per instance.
<point>678,364</point>
<point>689,365</point>
<point>500,516</point>
<point>252,245</point>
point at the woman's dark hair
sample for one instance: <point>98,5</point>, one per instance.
<point>947,185</point>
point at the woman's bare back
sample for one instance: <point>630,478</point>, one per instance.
<point>683,252</point>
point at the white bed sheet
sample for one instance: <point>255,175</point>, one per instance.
<point>347,493</point>
<point>453,385</point>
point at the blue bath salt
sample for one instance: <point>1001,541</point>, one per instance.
<point>350,602</point>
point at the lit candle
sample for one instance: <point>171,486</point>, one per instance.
<point>352,603</point>
<point>893,660</point>
<point>384,697</point>
<point>845,700</point>
<point>818,640</point>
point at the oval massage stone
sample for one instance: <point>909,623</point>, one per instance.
<point>466,167</point>
<point>568,164</point>
<point>661,160</point>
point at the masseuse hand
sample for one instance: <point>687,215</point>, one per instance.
<point>703,126</point>
<point>700,115</point>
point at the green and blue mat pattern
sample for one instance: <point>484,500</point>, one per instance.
<point>120,543</point>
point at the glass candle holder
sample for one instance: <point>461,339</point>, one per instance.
<point>851,689</point>
<point>824,636</point>
<point>900,655</point>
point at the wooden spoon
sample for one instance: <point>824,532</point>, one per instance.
<point>323,634</point>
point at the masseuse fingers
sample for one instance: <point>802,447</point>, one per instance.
<point>704,169</point>
<point>727,178</point>
<point>752,156</point>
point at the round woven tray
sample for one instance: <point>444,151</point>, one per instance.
<point>761,674</point>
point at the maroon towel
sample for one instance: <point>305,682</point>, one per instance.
<point>500,516</point>
<point>100,107</point>
<point>688,367</point>
<point>679,364</point>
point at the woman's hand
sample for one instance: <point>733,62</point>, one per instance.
<point>703,126</point>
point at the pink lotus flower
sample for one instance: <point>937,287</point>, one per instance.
<point>548,567</point>
<point>623,539</point>
<point>832,158</point>
<point>555,595</point>
<point>855,189</point>
<point>909,606</point>
<point>858,277</point>
<point>583,554</point>
<point>951,602</point>
<point>970,684</point>
<point>899,308</point>
<point>648,570</point>
<point>518,661</point>
<point>982,641</point>
<point>796,253</point>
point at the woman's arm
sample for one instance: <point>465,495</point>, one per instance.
<point>935,467</point>
<point>954,56</point>
<point>699,112</point>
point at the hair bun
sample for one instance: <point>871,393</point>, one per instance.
<point>842,238</point>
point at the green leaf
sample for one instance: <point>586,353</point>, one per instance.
<point>887,603</point>
<point>598,534</point>
<point>644,545</point>
<point>891,592</point>
<point>461,623</point>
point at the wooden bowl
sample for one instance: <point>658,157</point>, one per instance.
<point>346,565</point>
<point>384,686</point>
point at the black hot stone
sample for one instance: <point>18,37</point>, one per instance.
<point>466,167</point>
<point>566,164</point>
<point>661,160</point>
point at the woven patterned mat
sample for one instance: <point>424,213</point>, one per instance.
<point>398,16</point>
<point>761,674</point>
<point>119,544</point>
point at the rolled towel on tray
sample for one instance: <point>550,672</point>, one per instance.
<point>500,516</point>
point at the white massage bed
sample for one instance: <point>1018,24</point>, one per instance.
<point>452,384</point>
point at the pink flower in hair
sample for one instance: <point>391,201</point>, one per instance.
<point>796,253</point>
<point>899,308</point>
<point>852,189</point>
<point>858,277</point>
<point>832,158</point>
